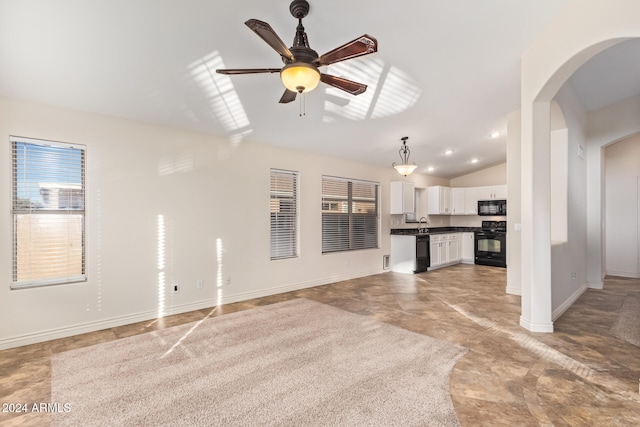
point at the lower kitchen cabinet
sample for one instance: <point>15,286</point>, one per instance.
<point>437,250</point>
<point>467,248</point>
<point>453,248</point>
<point>410,253</point>
<point>403,254</point>
<point>445,249</point>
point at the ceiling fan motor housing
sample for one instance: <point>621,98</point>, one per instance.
<point>303,54</point>
<point>299,8</point>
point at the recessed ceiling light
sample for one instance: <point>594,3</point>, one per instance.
<point>448,152</point>
<point>495,134</point>
<point>430,169</point>
<point>474,160</point>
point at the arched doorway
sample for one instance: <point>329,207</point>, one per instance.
<point>583,30</point>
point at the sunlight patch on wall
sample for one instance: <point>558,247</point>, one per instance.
<point>219,274</point>
<point>161,264</point>
<point>180,163</point>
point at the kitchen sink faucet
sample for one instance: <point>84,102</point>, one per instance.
<point>420,228</point>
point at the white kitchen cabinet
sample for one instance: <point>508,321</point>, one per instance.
<point>437,249</point>
<point>458,200</point>
<point>471,200</point>
<point>500,191</point>
<point>453,248</point>
<point>402,197</point>
<point>439,200</point>
<point>445,249</point>
<point>403,254</point>
<point>492,192</point>
<point>461,200</point>
<point>467,248</point>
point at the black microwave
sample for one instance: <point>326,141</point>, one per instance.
<point>492,207</point>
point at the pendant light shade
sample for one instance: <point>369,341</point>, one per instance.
<point>405,168</point>
<point>300,77</point>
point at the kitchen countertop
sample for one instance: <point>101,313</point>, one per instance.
<point>433,230</point>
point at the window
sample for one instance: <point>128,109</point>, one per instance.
<point>350,214</point>
<point>284,214</point>
<point>48,193</point>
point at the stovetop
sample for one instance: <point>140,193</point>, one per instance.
<point>494,226</point>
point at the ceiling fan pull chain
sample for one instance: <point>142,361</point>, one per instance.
<point>303,106</point>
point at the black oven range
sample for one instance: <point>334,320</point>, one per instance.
<point>491,244</point>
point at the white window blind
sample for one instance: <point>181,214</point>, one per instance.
<point>350,214</point>
<point>48,206</point>
<point>284,214</point>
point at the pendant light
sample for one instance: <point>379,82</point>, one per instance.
<point>405,168</point>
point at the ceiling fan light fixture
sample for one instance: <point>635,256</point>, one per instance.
<point>405,168</point>
<point>300,77</point>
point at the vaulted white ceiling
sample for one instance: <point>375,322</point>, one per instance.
<point>446,73</point>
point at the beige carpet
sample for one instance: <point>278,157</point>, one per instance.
<point>627,324</point>
<point>295,363</point>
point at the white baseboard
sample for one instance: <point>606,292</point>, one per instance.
<point>78,329</point>
<point>592,285</point>
<point>629,274</point>
<point>536,327</point>
<point>297,286</point>
<point>84,328</point>
<point>569,302</point>
<point>512,290</point>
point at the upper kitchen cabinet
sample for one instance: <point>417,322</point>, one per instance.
<point>461,200</point>
<point>402,197</point>
<point>439,200</point>
<point>458,199</point>
<point>471,200</point>
<point>492,192</point>
<point>500,191</point>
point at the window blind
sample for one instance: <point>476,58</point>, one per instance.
<point>284,214</point>
<point>48,207</point>
<point>350,214</point>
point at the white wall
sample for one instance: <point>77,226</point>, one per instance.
<point>514,204</point>
<point>605,126</point>
<point>213,198</point>
<point>622,180</point>
<point>569,257</point>
<point>493,175</point>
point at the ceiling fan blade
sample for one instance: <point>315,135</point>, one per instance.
<point>266,33</point>
<point>288,96</point>
<point>349,86</point>
<point>247,70</point>
<point>363,45</point>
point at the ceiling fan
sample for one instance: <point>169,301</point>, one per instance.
<point>300,73</point>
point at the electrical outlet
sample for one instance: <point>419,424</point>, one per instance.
<point>175,288</point>
<point>200,284</point>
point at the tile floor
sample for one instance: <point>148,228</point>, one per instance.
<point>580,375</point>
